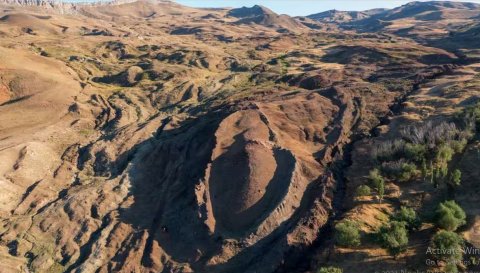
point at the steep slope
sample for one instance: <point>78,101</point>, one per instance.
<point>39,94</point>
<point>463,40</point>
<point>28,23</point>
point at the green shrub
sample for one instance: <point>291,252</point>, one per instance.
<point>409,216</point>
<point>415,152</point>
<point>363,190</point>
<point>459,145</point>
<point>450,216</point>
<point>330,269</point>
<point>443,171</point>
<point>444,153</point>
<point>394,237</point>
<point>347,234</point>
<point>471,116</point>
<point>447,246</point>
<point>409,170</point>
<point>451,268</point>
<point>455,178</point>
<point>400,170</point>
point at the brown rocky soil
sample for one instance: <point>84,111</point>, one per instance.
<point>151,137</point>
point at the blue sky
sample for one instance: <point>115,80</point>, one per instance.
<point>301,7</point>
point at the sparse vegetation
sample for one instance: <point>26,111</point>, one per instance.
<point>284,63</point>
<point>424,151</point>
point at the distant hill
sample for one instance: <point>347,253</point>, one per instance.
<point>421,10</point>
<point>338,16</point>
<point>263,16</point>
<point>433,21</point>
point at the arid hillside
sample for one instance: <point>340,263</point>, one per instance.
<point>146,136</point>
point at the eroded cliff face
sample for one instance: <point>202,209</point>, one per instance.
<point>218,191</point>
<point>129,144</point>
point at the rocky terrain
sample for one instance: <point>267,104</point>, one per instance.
<point>146,136</point>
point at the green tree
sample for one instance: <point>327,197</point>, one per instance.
<point>415,152</point>
<point>447,246</point>
<point>330,269</point>
<point>444,171</point>
<point>394,237</point>
<point>347,234</point>
<point>381,190</point>
<point>438,178</point>
<point>424,170</point>
<point>377,181</point>
<point>432,172</point>
<point>450,216</point>
<point>409,216</point>
<point>375,178</point>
